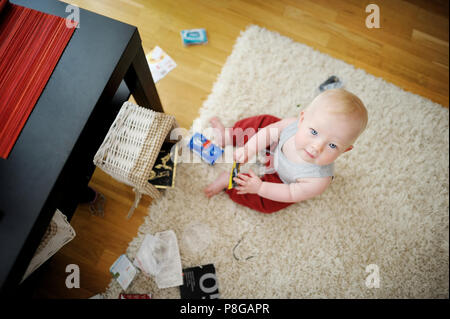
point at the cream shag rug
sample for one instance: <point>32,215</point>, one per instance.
<point>387,206</point>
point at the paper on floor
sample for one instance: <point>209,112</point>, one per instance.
<point>160,63</point>
<point>123,271</point>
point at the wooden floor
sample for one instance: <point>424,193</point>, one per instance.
<point>410,49</point>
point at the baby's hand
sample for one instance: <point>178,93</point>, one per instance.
<point>248,184</point>
<point>240,155</point>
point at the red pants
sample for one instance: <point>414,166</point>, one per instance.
<point>254,201</point>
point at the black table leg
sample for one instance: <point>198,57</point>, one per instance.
<point>140,82</point>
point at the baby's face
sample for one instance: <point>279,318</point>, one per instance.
<point>323,136</point>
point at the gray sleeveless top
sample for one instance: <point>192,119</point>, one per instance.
<point>289,171</point>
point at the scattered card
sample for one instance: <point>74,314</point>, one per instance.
<point>164,170</point>
<point>234,173</point>
<point>123,271</point>
<point>200,283</point>
<point>135,296</point>
<point>160,63</point>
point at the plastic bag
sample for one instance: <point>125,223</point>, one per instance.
<point>152,255</point>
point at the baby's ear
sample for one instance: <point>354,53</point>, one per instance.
<point>349,148</point>
<point>301,117</point>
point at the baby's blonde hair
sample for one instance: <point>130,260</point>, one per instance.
<point>345,103</point>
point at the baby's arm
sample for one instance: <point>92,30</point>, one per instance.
<point>263,138</point>
<point>294,192</point>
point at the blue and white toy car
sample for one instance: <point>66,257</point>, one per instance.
<point>204,148</point>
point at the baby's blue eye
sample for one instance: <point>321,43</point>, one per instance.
<point>332,145</point>
<point>313,132</point>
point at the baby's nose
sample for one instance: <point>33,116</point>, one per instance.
<point>317,148</point>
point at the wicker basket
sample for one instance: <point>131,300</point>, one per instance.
<point>131,147</point>
<point>59,232</point>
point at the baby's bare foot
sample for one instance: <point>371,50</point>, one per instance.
<point>217,186</point>
<point>217,124</point>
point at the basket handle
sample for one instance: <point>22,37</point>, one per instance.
<point>137,199</point>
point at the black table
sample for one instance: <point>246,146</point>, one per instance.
<point>52,158</point>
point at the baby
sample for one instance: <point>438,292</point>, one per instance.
<point>303,159</point>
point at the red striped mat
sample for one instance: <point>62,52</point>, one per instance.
<point>31,43</point>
